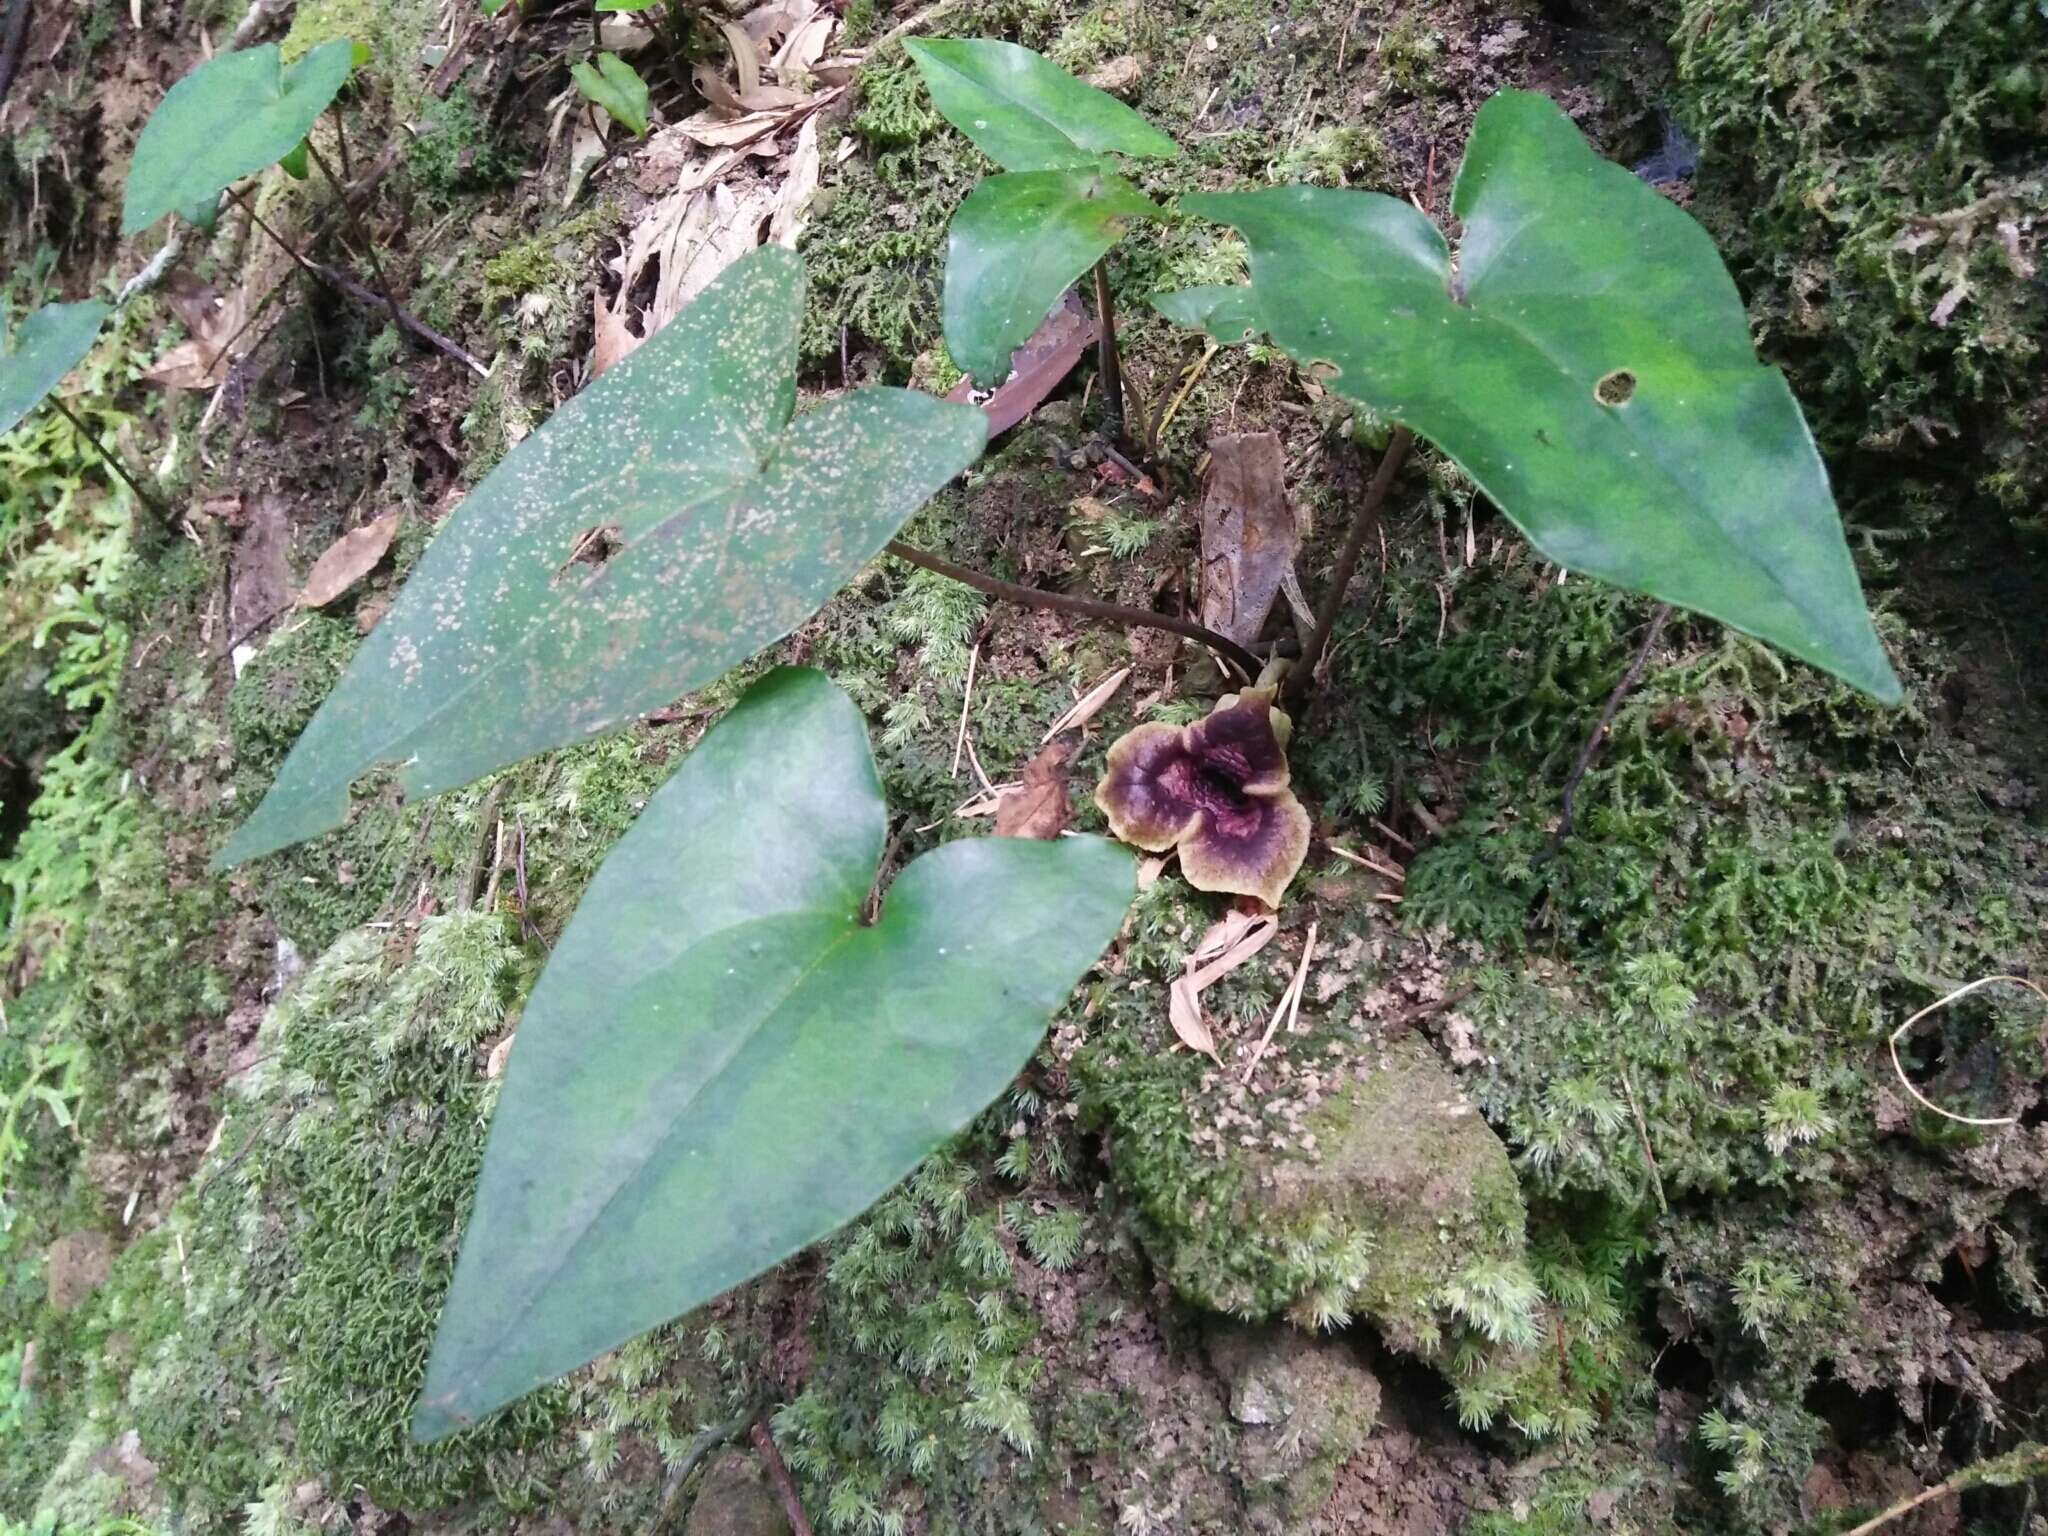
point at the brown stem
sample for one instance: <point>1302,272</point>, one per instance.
<point>334,277</point>
<point>1363,522</point>
<point>112,462</point>
<point>1592,746</point>
<point>1107,364</point>
<point>778,1474</point>
<point>348,212</point>
<point>1086,607</point>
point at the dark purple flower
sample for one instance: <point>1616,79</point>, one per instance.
<point>1217,790</point>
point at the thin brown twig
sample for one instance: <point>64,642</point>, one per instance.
<point>778,1474</point>
<point>110,460</point>
<point>348,213</point>
<point>1363,522</point>
<point>336,278</point>
<point>1967,1478</point>
<point>1592,746</point>
<point>1086,607</point>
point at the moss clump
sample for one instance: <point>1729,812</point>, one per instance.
<point>1875,173</point>
<point>313,1267</point>
<point>312,891</point>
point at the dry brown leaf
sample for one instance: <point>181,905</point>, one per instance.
<point>1049,356</point>
<point>777,19</point>
<point>214,330</point>
<point>1249,536</point>
<point>1228,944</point>
<point>803,48</point>
<point>1088,706</point>
<point>348,560</point>
<point>1039,806</point>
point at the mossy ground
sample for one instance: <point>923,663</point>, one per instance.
<point>1734,1257</point>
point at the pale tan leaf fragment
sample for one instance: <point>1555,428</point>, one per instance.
<point>348,560</point>
<point>1184,1013</point>
<point>799,184</point>
<point>613,336</point>
<point>1038,807</point>
<point>1290,1005</point>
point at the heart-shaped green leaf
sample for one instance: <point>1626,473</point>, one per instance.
<point>665,524</point>
<point>1026,113</point>
<point>722,1063</point>
<point>231,117</point>
<point>1589,366</point>
<point>1016,244</point>
<point>49,344</point>
<point>616,86</point>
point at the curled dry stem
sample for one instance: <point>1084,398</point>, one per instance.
<point>1906,1082</point>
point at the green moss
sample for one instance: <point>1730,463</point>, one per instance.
<point>312,1269</point>
<point>312,891</point>
<point>1868,167</point>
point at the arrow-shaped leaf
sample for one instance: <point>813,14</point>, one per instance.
<point>722,1063</point>
<point>1026,113</point>
<point>50,343</point>
<point>1590,366</point>
<point>1015,245</point>
<point>231,117</point>
<point>665,524</point>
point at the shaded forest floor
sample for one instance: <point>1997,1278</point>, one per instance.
<point>1588,1160</point>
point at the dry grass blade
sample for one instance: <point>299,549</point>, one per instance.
<point>1367,861</point>
<point>1290,1004</point>
<point>1088,706</point>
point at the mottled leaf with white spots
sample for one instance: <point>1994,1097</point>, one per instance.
<point>666,524</point>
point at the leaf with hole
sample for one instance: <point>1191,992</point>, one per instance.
<point>616,86</point>
<point>232,116</point>
<point>722,1063</point>
<point>49,344</point>
<point>1589,365</point>
<point>665,524</point>
<point>1016,244</point>
<point>1026,113</point>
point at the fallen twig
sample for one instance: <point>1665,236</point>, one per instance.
<point>792,1506</point>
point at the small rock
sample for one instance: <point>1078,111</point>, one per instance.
<point>1307,1403</point>
<point>76,1265</point>
<point>735,1500</point>
<point>1119,76</point>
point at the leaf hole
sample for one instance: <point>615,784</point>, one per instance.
<point>1618,388</point>
<point>593,548</point>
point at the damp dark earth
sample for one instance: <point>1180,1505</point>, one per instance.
<point>1023,768</point>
